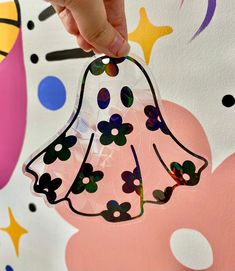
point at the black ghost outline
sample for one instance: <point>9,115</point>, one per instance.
<point>168,191</point>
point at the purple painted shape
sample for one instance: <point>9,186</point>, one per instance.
<point>209,15</point>
<point>12,110</point>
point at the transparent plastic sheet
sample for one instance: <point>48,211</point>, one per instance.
<point>116,153</point>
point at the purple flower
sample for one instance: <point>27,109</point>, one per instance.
<point>155,120</point>
<point>132,181</point>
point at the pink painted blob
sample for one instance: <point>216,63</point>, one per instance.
<point>145,244</point>
<point>12,110</point>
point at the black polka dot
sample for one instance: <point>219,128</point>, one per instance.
<point>34,58</point>
<point>30,25</point>
<point>127,96</point>
<point>32,207</point>
<point>228,100</point>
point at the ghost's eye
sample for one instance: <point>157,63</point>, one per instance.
<point>127,96</point>
<point>103,98</point>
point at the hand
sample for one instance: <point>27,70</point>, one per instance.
<point>99,25</point>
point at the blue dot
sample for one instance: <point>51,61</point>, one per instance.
<point>9,268</point>
<point>52,93</point>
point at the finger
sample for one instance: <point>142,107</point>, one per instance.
<point>67,19</point>
<point>115,10</point>
<point>96,51</point>
<point>71,26</point>
<point>91,19</point>
<point>83,43</point>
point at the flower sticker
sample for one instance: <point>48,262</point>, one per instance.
<point>155,121</point>
<point>132,181</point>
<point>163,197</point>
<point>109,65</point>
<point>59,149</point>
<point>185,174</point>
<point>48,186</point>
<point>87,179</point>
<point>114,131</point>
<point>116,212</point>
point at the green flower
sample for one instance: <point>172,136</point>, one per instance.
<point>59,149</point>
<point>87,180</point>
<point>114,125</point>
<point>185,174</point>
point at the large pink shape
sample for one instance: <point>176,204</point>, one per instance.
<point>145,243</point>
<point>12,110</point>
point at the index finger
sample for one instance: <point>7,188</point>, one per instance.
<point>93,24</point>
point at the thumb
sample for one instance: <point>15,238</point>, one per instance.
<point>92,22</point>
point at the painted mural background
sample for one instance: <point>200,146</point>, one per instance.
<point>189,47</point>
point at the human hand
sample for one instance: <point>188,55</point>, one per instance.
<point>99,25</point>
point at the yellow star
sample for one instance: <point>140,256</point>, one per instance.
<point>146,34</point>
<point>15,231</point>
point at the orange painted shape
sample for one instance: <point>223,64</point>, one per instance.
<point>8,10</point>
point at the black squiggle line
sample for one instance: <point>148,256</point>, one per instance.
<point>9,21</point>
<point>68,54</point>
<point>17,22</point>
<point>83,162</point>
<point>141,182</point>
<point>18,12</point>
<point>3,53</point>
<point>46,13</point>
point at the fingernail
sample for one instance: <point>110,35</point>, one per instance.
<point>87,51</point>
<point>119,47</point>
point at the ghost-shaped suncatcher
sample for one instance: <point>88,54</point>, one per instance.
<point>99,162</point>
